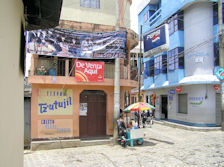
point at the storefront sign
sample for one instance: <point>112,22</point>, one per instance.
<point>83,109</point>
<point>69,43</point>
<point>172,92</point>
<point>178,89</point>
<point>196,101</point>
<point>216,87</point>
<point>89,71</point>
<point>51,128</point>
<point>156,41</point>
<point>220,73</point>
<point>55,102</point>
<point>153,98</point>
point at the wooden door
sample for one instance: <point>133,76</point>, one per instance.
<point>93,124</point>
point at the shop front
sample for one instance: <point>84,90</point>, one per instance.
<point>192,105</point>
<point>71,112</point>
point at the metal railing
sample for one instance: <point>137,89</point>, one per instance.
<point>155,17</point>
<point>50,66</point>
<point>56,67</point>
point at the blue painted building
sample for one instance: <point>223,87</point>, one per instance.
<point>180,81</point>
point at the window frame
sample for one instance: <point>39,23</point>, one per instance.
<point>160,64</point>
<point>175,58</point>
<point>176,23</point>
<point>149,68</point>
<point>216,54</point>
<point>93,4</point>
<point>146,17</point>
<point>180,108</point>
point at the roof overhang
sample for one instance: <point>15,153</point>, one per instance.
<point>186,81</point>
<point>42,14</point>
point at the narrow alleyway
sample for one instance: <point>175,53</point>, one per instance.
<point>163,146</point>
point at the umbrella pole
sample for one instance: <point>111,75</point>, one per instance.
<point>138,119</point>
<point>126,120</point>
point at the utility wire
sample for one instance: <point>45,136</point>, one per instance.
<point>189,50</point>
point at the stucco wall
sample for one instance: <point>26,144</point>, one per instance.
<point>35,117</point>
<point>198,30</point>
<point>201,109</point>
<point>127,19</point>
<point>106,14</point>
<point>204,113</point>
<point>11,85</point>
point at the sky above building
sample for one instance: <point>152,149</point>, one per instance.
<point>134,10</point>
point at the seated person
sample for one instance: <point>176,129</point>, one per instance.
<point>130,124</point>
<point>134,124</point>
<point>121,127</point>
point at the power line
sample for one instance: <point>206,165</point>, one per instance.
<point>189,50</point>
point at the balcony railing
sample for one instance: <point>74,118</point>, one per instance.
<point>54,66</point>
<point>49,66</point>
<point>155,17</point>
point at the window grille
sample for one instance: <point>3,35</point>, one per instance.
<point>90,3</point>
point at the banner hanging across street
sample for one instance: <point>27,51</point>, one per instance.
<point>89,71</point>
<point>69,43</point>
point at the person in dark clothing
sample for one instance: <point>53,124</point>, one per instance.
<point>122,133</point>
<point>144,117</point>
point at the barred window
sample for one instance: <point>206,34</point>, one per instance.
<point>176,23</point>
<point>149,68</point>
<point>90,3</point>
<point>216,54</point>
<point>146,16</point>
<point>160,64</point>
<point>176,59</point>
<point>182,103</point>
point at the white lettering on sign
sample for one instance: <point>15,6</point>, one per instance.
<point>89,67</point>
<point>156,33</point>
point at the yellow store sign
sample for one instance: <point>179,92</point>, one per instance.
<point>55,102</point>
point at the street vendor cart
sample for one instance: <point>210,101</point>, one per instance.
<point>127,136</point>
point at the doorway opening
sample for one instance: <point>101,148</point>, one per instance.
<point>92,114</point>
<point>218,110</point>
<point>164,107</point>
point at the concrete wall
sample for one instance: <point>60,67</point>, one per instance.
<point>106,14</point>
<point>204,113</point>
<point>27,110</point>
<point>199,113</point>
<point>198,28</point>
<point>126,8</point>
<point>145,25</point>
<point>11,85</point>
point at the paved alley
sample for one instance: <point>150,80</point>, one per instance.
<point>163,146</point>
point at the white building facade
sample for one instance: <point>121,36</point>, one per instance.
<point>181,82</point>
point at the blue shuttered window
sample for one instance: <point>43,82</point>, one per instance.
<point>176,59</point>
<point>149,68</point>
<point>90,3</point>
<point>176,23</point>
<point>160,64</point>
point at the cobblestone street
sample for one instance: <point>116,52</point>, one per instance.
<point>163,146</point>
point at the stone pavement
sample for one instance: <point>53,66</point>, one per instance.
<point>163,146</point>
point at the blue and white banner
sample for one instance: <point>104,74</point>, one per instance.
<point>156,41</point>
<point>69,43</point>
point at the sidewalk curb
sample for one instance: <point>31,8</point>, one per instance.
<point>59,144</point>
<point>185,127</point>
